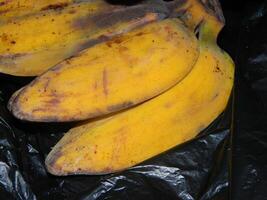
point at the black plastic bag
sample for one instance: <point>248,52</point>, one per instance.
<point>249,166</point>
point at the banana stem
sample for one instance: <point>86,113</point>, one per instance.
<point>209,31</point>
<point>197,14</point>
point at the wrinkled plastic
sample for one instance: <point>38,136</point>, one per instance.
<point>230,152</point>
<point>249,160</point>
<point>197,169</point>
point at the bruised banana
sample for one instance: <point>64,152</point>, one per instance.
<point>176,116</point>
<point>32,44</point>
<point>111,76</point>
<point>68,97</point>
<point>17,8</point>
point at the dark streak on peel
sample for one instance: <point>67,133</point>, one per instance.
<point>58,6</point>
<point>4,11</point>
<point>92,42</point>
<point>108,19</point>
<point>113,16</point>
<point>95,85</point>
<point>46,84</point>
<point>39,110</point>
<point>53,101</point>
<point>107,37</point>
<point>115,40</point>
<point>105,82</point>
<point>13,56</point>
<point>120,106</point>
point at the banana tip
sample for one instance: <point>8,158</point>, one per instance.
<point>51,166</point>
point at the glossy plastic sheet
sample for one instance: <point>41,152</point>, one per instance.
<point>249,166</point>
<point>198,169</point>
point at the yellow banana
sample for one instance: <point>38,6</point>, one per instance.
<point>16,8</point>
<point>111,76</point>
<point>193,12</point>
<point>176,116</point>
<point>31,44</point>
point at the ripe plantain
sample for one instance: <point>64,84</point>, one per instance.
<point>16,8</point>
<point>31,44</point>
<point>111,76</point>
<point>128,138</point>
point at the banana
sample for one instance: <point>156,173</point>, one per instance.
<point>111,76</point>
<point>31,44</point>
<point>69,26</point>
<point>193,12</point>
<point>128,138</point>
<point>16,8</point>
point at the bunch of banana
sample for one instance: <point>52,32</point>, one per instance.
<point>145,90</point>
<point>111,76</point>
<point>32,43</point>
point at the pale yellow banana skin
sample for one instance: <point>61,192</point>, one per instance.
<point>15,8</point>
<point>130,137</point>
<point>32,44</point>
<point>111,76</point>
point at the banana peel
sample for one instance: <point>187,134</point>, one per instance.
<point>72,91</point>
<point>31,44</point>
<point>17,8</point>
<point>111,76</point>
<point>176,116</point>
<point>51,31</point>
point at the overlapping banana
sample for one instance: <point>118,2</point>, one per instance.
<point>186,81</point>
<point>33,43</point>
<point>111,76</point>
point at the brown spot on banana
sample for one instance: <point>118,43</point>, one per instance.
<point>72,11</point>
<point>122,49</point>
<point>168,105</point>
<point>215,96</point>
<point>57,6</point>
<point>3,3</point>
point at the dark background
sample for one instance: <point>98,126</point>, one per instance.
<point>245,38</point>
